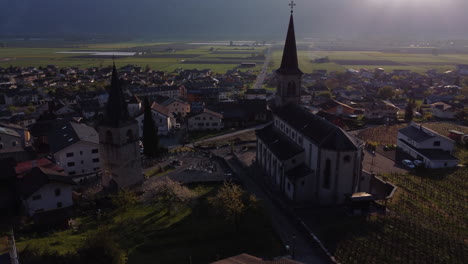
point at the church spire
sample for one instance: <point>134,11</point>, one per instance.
<point>289,62</point>
<point>116,108</point>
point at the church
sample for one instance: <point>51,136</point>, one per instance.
<point>304,156</point>
<point>118,142</point>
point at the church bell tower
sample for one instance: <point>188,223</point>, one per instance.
<point>289,75</point>
<point>118,141</point>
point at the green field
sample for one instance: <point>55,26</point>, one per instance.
<point>204,57</point>
<point>148,234</point>
<point>415,62</point>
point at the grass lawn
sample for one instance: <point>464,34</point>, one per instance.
<point>150,235</point>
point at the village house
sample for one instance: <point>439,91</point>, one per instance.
<point>251,94</point>
<point>43,190</point>
<point>175,106</point>
<point>433,149</point>
<point>337,108</point>
<point>163,119</point>
<point>206,120</point>
<point>443,110</point>
<point>74,146</point>
<point>381,110</point>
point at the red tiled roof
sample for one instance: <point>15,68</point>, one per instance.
<point>26,166</point>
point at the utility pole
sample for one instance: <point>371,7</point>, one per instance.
<point>12,249</point>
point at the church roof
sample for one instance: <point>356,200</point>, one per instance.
<point>289,62</point>
<point>281,146</point>
<point>324,133</point>
<point>116,108</point>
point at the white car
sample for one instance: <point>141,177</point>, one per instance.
<point>418,163</point>
<point>408,163</point>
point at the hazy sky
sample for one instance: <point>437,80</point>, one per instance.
<point>238,18</point>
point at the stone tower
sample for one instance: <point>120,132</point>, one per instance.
<point>289,75</point>
<point>118,141</point>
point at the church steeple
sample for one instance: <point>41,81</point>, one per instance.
<point>289,62</point>
<point>289,75</point>
<point>116,108</point>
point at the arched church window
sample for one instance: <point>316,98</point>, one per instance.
<point>327,174</point>
<point>291,88</point>
<point>109,137</point>
<point>129,136</point>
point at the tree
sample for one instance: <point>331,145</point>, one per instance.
<point>385,92</point>
<point>100,247</point>
<point>229,200</point>
<point>409,112</point>
<point>124,199</point>
<point>167,192</point>
<point>150,132</point>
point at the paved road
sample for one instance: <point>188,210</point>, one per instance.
<point>264,71</point>
<point>305,251</point>
<point>378,163</point>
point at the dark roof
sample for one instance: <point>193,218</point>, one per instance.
<point>324,133</point>
<point>282,147</point>
<point>116,108</point>
<point>289,62</point>
<point>298,172</point>
<point>416,134</point>
<point>249,259</point>
<point>255,91</point>
<point>39,177</point>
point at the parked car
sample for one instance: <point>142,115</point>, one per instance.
<point>408,164</point>
<point>418,163</point>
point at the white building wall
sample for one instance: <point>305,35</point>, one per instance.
<point>48,199</point>
<point>205,121</point>
<point>83,160</point>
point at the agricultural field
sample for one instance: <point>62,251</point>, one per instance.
<point>159,56</point>
<point>385,135</point>
<point>342,60</point>
<point>425,222</point>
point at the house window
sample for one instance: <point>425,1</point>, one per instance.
<point>214,124</point>
<point>14,143</point>
<point>69,154</point>
<point>58,192</point>
<point>204,118</point>
<point>1,146</point>
<point>96,160</point>
<point>302,183</point>
<point>436,143</point>
<point>207,124</point>
<point>109,138</point>
<point>95,151</point>
<point>59,205</point>
<point>36,197</point>
<point>81,152</point>
<point>71,164</point>
<point>327,174</point>
<point>197,118</point>
<point>288,186</point>
<point>82,162</point>
<point>71,173</point>
<point>211,118</point>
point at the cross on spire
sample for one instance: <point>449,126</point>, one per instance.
<point>292,5</point>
